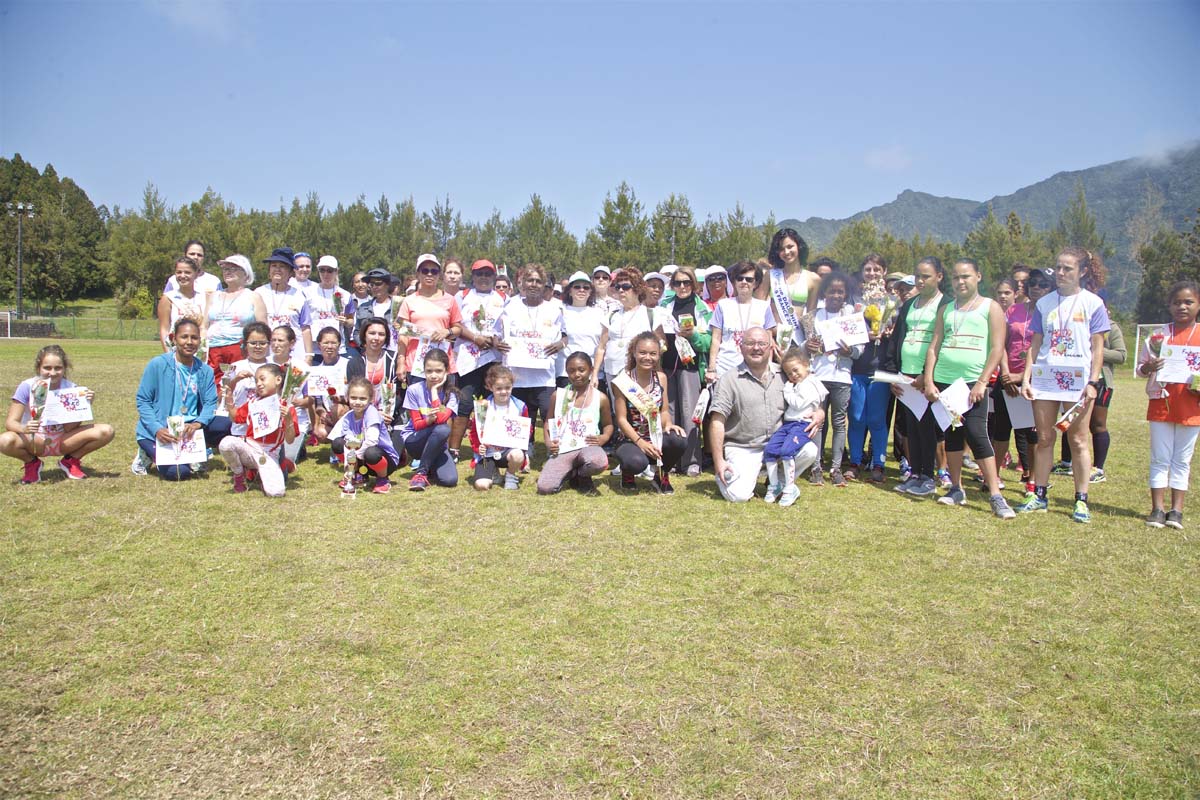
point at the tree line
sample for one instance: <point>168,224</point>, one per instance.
<point>73,249</point>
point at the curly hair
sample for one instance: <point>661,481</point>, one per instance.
<point>632,275</point>
<point>1092,272</point>
<point>644,336</point>
<point>777,242</point>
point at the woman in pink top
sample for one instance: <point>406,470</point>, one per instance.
<point>1012,368</point>
<point>434,315</point>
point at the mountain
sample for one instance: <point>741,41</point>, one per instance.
<point>1115,193</point>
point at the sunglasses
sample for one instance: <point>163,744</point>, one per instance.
<point>580,287</point>
<point>326,270</point>
<point>622,287</point>
<point>715,279</point>
<point>684,282</point>
<point>425,271</point>
<point>601,277</point>
<point>744,279</point>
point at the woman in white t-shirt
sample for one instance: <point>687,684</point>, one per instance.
<point>531,336</point>
<point>733,316</point>
<point>621,327</point>
<point>584,322</point>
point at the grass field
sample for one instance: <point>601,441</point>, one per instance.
<point>162,640</point>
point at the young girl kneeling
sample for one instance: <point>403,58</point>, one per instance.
<point>579,425</point>
<point>262,445</point>
<point>363,426</point>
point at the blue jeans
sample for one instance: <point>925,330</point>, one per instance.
<point>430,446</point>
<point>868,412</point>
<point>213,435</point>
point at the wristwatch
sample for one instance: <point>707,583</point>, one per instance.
<point>1095,384</point>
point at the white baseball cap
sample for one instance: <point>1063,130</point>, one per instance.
<point>327,261</point>
<point>425,257</point>
<point>239,260</point>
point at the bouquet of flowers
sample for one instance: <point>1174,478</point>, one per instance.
<point>293,376</point>
<point>701,405</point>
<point>687,353</point>
<point>387,397</point>
<point>880,306</point>
<point>338,306</point>
<point>37,397</point>
<point>1155,343</point>
<point>783,335</point>
<point>1069,416</point>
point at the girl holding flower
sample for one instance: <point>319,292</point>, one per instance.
<point>869,400</point>
<point>26,439</point>
<point>580,414</point>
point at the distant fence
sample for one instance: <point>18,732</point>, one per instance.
<point>145,330</point>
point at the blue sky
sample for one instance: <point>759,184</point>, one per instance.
<point>800,109</point>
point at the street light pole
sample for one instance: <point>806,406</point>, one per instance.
<point>673,217</point>
<point>20,211</point>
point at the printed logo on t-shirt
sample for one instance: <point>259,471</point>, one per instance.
<point>1062,341</point>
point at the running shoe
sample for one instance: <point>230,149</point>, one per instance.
<point>876,475</point>
<point>71,466</point>
<point>418,482</point>
<point>954,497</point>
<point>851,473</point>
<point>1157,519</point>
<point>141,463</point>
<point>969,462</point>
<point>922,487</point>
<point>905,469</point>
<point>1081,512</point>
<point>33,471</point>
<point>815,477</point>
<point>903,486</point>
<point>943,477</point>
<point>628,483</point>
<point>837,478</point>
<point>1032,503</point>
<point>382,486</point>
<point>1175,519</point>
<point>790,495</point>
<point>774,492</point>
<point>1097,476</point>
<point>1061,468</point>
<point>1001,508</point>
<point>663,484</point>
<point>512,482</point>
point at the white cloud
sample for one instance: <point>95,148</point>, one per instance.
<point>893,158</point>
<point>212,19</point>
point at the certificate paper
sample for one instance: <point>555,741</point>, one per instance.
<point>504,432</point>
<point>321,379</point>
<point>850,330</point>
<point>953,402</point>
<point>67,405</point>
<point>529,350</point>
<point>1180,363</point>
<point>1057,383</point>
<point>263,413</point>
<point>1020,411</point>
<point>572,430</point>
<point>915,401</point>
<point>188,451</point>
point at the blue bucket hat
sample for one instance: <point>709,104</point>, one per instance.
<point>281,255</point>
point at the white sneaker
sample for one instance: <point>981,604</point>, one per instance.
<point>773,493</point>
<point>790,495</point>
<point>140,463</point>
<point>648,473</point>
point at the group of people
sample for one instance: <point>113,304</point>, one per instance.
<point>737,369</point>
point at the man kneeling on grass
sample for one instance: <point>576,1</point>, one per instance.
<point>748,406</point>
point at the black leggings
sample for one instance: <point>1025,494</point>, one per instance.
<point>922,438</point>
<point>974,430</point>
<point>1002,428</point>
<point>633,460</point>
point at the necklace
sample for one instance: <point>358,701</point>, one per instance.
<point>185,382</point>
<point>1060,323</point>
<point>957,317</point>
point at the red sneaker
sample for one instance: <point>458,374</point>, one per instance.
<point>71,466</point>
<point>33,471</point>
<point>382,486</point>
<point>418,483</point>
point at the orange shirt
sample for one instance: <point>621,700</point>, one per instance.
<point>1181,405</point>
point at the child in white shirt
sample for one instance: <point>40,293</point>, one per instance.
<point>790,445</point>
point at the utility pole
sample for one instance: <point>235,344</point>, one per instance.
<point>20,211</point>
<point>673,217</point>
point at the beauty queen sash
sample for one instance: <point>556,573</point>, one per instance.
<point>787,314</point>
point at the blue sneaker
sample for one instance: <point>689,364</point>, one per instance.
<point>905,469</point>
<point>1081,512</point>
<point>906,484</point>
<point>954,497</point>
<point>1032,503</point>
<point>922,487</point>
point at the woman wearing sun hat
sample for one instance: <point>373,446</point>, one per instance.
<point>230,310</point>
<point>583,320</point>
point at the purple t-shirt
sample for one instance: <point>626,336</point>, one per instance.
<point>418,396</point>
<point>371,418</point>
<point>21,395</point>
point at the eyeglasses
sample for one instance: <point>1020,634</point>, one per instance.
<point>684,282</point>
<point>622,287</point>
<point>744,279</point>
<point>425,271</point>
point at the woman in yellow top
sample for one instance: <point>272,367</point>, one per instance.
<point>967,344</point>
<point>791,289</point>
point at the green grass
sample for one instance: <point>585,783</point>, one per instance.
<point>177,640</point>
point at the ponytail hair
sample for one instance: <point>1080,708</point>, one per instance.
<point>1092,272</point>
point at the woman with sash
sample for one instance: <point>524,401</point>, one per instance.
<point>791,289</point>
<point>644,417</point>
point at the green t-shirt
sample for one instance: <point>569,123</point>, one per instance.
<point>966,339</point>
<point>920,323</point>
